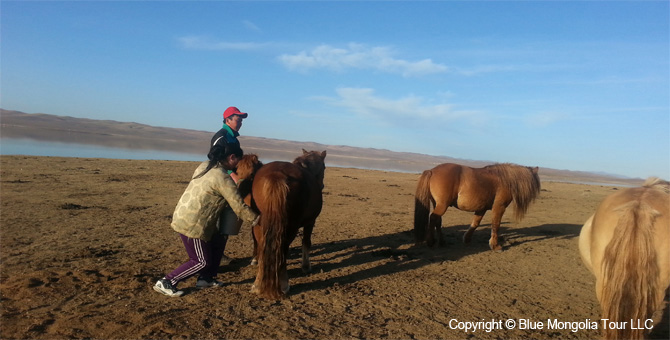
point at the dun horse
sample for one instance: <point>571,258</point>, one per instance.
<point>288,197</point>
<point>626,245</point>
<point>477,190</point>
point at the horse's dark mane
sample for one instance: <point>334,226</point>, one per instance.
<point>522,182</point>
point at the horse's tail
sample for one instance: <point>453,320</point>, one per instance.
<point>525,188</point>
<point>630,272</point>
<point>274,222</point>
<point>422,206</point>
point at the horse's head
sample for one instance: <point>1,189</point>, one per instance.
<point>247,166</point>
<point>314,163</point>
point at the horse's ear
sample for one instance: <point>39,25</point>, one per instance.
<point>323,154</point>
<point>536,169</point>
<point>304,152</point>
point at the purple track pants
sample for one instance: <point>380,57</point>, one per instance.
<point>204,258</point>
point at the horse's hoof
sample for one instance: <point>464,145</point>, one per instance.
<point>254,289</point>
<point>254,262</point>
<point>497,249</point>
<point>285,291</point>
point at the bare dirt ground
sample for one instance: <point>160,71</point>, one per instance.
<point>84,240</point>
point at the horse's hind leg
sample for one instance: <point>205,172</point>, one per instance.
<point>435,225</point>
<point>476,220</point>
<point>306,246</point>
<point>255,233</point>
<point>495,224</point>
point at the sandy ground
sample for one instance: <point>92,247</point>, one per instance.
<point>84,240</point>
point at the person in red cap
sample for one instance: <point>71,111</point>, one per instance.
<point>232,123</point>
<point>229,224</point>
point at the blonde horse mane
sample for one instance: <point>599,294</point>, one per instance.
<point>521,181</point>
<point>657,184</point>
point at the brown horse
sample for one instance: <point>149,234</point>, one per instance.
<point>246,170</point>
<point>626,245</point>
<point>492,187</point>
<point>288,197</point>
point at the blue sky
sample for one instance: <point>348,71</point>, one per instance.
<point>578,85</point>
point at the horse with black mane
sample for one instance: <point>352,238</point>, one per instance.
<point>478,190</point>
<point>288,197</point>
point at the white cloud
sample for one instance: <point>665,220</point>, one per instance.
<point>484,69</point>
<point>544,119</point>
<point>358,56</point>
<point>202,43</point>
<point>364,102</point>
<point>251,26</point>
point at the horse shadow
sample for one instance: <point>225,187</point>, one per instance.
<point>402,254</point>
<point>511,237</point>
<point>518,236</point>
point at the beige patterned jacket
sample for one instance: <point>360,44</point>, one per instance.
<point>200,206</point>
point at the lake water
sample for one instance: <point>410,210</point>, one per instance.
<point>39,148</point>
<point>31,147</point>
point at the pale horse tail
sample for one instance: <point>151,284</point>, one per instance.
<point>630,272</point>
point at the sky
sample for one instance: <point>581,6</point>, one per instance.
<point>576,85</point>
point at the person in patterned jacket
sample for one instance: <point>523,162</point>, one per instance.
<point>197,214</point>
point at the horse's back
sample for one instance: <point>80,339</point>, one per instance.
<point>609,212</point>
<point>466,188</point>
<point>445,181</point>
<point>302,196</point>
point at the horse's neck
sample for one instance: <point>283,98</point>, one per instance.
<point>245,186</point>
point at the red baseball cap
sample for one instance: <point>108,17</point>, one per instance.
<point>233,111</point>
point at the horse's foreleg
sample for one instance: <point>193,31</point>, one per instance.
<point>306,246</point>
<point>476,220</point>
<point>495,224</point>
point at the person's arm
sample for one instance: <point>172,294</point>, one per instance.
<point>234,177</point>
<point>228,190</point>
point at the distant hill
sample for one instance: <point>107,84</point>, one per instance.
<point>45,127</point>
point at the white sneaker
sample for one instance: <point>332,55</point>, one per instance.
<point>206,283</point>
<point>225,260</point>
<point>164,287</point>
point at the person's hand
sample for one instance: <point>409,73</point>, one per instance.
<point>255,222</point>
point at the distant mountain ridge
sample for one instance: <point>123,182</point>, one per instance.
<point>109,133</point>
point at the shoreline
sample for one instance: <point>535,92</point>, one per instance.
<point>543,178</point>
